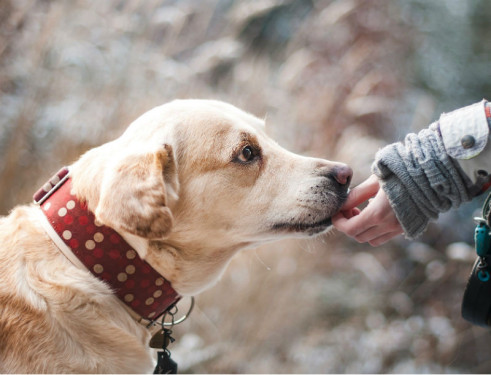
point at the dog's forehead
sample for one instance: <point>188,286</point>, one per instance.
<point>197,124</point>
<point>215,114</point>
<point>202,120</point>
<point>215,134</point>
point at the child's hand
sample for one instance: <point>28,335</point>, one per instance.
<point>376,223</point>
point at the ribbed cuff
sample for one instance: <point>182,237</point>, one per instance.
<point>420,179</point>
<point>412,220</point>
<point>400,186</point>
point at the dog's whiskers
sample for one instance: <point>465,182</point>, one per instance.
<point>261,261</point>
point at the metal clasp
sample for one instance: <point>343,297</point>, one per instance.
<point>182,318</point>
<point>172,311</point>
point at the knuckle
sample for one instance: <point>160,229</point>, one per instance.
<point>378,216</point>
<point>351,232</point>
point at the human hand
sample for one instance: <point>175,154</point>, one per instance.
<point>376,223</point>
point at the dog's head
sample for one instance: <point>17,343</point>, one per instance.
<point>199,180</point>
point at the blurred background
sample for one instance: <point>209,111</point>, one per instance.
<point>335,79</point>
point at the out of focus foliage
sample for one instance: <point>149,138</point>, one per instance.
<point>335,79</point>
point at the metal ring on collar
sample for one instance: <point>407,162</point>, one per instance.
<point>182,318</point>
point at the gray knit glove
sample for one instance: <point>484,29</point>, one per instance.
<point>420,179</point>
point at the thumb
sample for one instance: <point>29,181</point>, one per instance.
<point>361,193</point>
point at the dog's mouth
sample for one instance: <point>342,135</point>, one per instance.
<point>310,227</point>
<point>307,228</point>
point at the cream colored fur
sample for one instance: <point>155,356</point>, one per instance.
<point>177,186</point>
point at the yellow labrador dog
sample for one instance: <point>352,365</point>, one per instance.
<point>187,186</point>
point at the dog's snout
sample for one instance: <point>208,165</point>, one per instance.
<point>342,174</point>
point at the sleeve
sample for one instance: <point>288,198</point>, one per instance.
<point>422,176</point>
<point>466,138</point>
<point>465,131</point>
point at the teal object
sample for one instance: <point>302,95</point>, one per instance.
<point>482,239</point>
<point>483,276</point>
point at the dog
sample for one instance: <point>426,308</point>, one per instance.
<point>187,185</point>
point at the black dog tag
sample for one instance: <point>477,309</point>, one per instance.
<point>165,364</point>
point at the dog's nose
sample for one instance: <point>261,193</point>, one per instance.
<point>342,174</point>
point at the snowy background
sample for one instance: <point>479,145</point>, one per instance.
<point>336,79</point>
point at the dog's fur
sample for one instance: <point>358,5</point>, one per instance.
<point>178,187</point>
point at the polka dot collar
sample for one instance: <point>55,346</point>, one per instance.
<point>103,251</point>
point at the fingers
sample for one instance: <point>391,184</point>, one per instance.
<point>361,193</point>
<point>379,233</point>
<point>352,225</point>
<point>374,234</point>
<point>340,221</point>
<point>373,215</point>
<point>375,224</point>
<point>384,238</point>
<point>348,214</point>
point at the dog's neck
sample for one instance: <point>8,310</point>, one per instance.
<point>191,268</point>
<point>117,260</point>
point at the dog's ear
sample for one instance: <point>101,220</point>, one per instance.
<point>135,193</point>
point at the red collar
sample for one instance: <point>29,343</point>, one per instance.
<point>103,251</point>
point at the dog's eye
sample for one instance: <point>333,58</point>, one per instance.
<point>247,154</point>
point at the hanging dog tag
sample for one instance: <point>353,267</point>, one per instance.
<point>162,339</point>
<point>165,364</point>
<point>159,340</point>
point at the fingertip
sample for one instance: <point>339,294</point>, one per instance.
<point>361,193</point>
<point>338,218</point>
<point>351,213</point>
<point>359,240</point>
<point>346,214</point>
